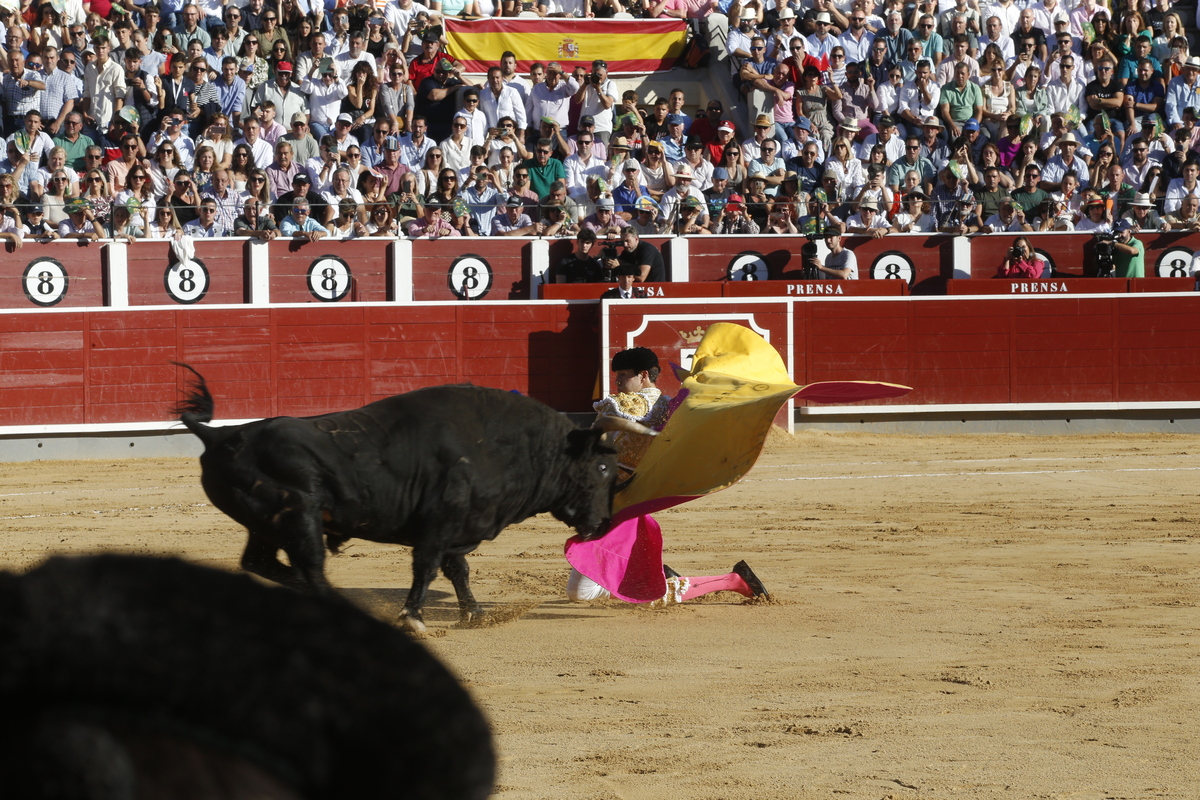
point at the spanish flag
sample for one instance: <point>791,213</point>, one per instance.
<point>642,45</point>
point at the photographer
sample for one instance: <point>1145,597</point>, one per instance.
<point>1129,254</point>
<point>840,264</point>
<point>598,95</point>
<point>1020,261</point>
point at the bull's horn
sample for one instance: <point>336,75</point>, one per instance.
<point>607,423</point>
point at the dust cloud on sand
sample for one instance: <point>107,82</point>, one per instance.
<point>952,617</point>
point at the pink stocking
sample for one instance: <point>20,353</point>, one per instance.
<point>720,583</point>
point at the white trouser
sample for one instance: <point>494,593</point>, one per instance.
<point>581,588</point>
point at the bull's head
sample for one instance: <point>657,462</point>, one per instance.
<point>590,483</point>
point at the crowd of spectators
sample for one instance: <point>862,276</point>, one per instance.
<point>296,118</point>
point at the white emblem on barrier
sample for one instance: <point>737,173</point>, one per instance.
<point>1174,262</point>
<point>893,265</point>
<point>186,284</point>
<point>45,281</point>
<point>329,279</point>
<point>748,266</point>
<point>470,277</point>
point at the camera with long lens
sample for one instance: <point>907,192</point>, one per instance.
<point>608,251</point>
<point>1103,242</point>
<point>808,262</point>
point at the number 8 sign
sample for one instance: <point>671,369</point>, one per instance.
<point>186,283</point>
<point>470,277</point>
<point>45,281</point>
<point>329,279</point>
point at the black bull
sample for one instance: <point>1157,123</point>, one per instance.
<point>439,469</point>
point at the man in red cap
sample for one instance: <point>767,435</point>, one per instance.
<point>280,91</point>
<point>726,133</point>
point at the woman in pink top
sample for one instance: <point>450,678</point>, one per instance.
<point>1020,262</point>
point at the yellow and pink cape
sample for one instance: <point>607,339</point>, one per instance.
<point>715,433</point>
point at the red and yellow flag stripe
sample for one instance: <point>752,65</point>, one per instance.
<point>640,45</point>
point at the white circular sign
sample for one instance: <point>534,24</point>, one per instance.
<point>329,279</point>
<point>45,281</point>
<point>893,265</point>
<point>470,277</point>
<point>1174,262</point>
<point>748,266</point>
<point>188,283</point>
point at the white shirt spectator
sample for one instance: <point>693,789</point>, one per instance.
<point>345,63</point>
<point>185,148</point>
<point>38,148</point>
<point>997,225</point>
<point>510,103</point>
<point>1176,191</point>
<point>674,196</point>
<point>333,200</point>
<point>1064,96</point>
<point>476,124</point>
<point>553,103</point>
<point>103,85</point>
<point>578,171</point>
<point>894,147</point>
<point>324,101</point>
<point>400,17</point>
<point>592,105</point>
<point>456,156</point>
<point>856,49</point>
<point>1009,16</point>
<point>261,151</point>
<point>910,100</point>
<point>701,173</point>
<point>1007,49</point>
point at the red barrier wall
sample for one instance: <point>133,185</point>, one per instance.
<point>224,260</point>
<point>1048,286</point>
<point>471,268</point>
<point>923,262</point>
<point>114,366</point>
<point>1041,349</point>
<point>592,291</point>
<point>33,276</point>
<point>328,271</point>
<point>859,288</point>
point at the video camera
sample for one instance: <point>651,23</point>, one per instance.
<point>1103,242</point>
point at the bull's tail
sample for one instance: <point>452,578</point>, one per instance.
<point>196,409</point>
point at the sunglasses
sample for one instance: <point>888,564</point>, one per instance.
<point>95,180</point>
<point>300,211</point>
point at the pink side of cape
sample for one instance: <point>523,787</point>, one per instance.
<point>627,560</point>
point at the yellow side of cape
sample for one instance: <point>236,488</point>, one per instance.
<point>736,387</point>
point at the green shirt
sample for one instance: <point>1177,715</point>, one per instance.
<point>76,151</point>
<point>1127,266</point>
<point>1028,201</point>
<point>540,178</point>
<point>962,103</point>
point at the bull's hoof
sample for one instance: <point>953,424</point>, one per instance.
<point>411,624</point>
<point>470,614</point>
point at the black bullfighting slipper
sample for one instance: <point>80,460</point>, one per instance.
<point>670,573</point>
<point>742,570</point>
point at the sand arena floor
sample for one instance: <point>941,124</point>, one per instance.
<point>966,617</point>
